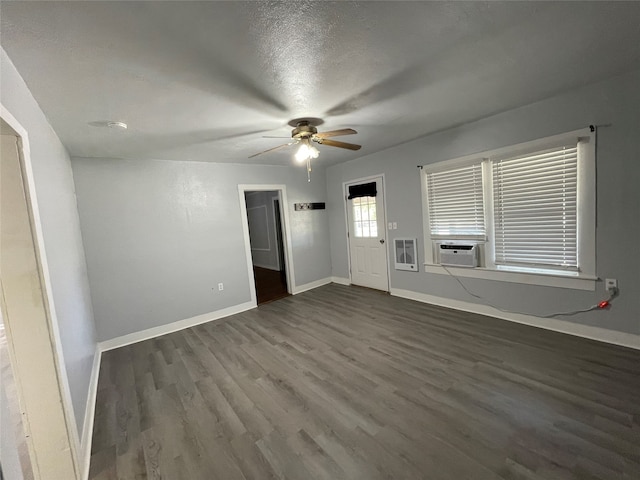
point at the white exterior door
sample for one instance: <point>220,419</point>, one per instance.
<point>367,238</point>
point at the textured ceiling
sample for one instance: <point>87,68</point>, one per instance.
<point>206,80</point>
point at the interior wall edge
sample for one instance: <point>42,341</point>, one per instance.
<point>26,164</point>
<point>310,286</point>
<point>49,177</point>
<point>599,334</point>
<point>90,410</point>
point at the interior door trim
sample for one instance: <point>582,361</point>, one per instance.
<point>41,458</point>
<point>286,232</point>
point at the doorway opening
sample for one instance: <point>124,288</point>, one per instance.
<point>267,240</point>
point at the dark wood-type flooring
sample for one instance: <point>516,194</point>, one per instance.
<point>348,383</point>
<point>270,285</point>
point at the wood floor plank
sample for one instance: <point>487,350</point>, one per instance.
<point>250,459</point>
<point>349,383</point>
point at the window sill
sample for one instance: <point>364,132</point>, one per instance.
<point>575,282</point>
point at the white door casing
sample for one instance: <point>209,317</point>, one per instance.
<point>367,237</point>
<point>29,324</point>
<point>286,232</point>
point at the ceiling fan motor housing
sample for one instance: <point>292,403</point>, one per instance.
<point>303,130</point>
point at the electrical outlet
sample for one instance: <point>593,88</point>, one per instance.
<point>610,283</point>
<point>395,225</point>
<point>220,287</point>
<point>390,226</point>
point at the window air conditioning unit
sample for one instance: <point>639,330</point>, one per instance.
<point>458,255</point>
<point>405,254</point>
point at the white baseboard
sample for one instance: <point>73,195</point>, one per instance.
<point>309,286</point>
<point>89,415</point>
<point>594,333</point>
<point>341,281</point>
<point>197,320</point>
<point>173,327</point>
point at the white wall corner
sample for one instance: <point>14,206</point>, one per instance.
<point>174,326</point>
<point>341,281</point>
<point>89,416</point>
<point>311,285</point>
<point>593,333</point>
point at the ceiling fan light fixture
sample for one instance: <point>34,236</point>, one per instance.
<point>306,151</point>
<point>303,153</point>
<point>304,133</point>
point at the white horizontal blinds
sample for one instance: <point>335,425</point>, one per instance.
<point>455,203</point>
<point>535,209</point>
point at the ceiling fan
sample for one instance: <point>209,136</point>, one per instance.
<point>304,133</point>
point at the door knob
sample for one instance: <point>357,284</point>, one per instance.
<point>382,240</point>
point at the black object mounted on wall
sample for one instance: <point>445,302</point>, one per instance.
<point>309,206</point>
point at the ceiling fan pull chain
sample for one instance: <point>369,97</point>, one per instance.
<point>309,169</point>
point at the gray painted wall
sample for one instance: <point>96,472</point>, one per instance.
<point>160,235</point>
<point>615,103</point>
<point>61,230</point>
<point>263,233</point>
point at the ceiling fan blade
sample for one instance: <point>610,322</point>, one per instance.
<point>273,136</point>
<point>273,149</point>
<point>336,133</point>
<point>335,143</point>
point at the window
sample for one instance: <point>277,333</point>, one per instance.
<point>455,203</point>
<point>530,208</point>
<point>535,209</point>
<point>364,217</point>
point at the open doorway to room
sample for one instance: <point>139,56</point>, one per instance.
<point>267,240</point>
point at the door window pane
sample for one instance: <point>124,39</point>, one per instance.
<point>364,217</point>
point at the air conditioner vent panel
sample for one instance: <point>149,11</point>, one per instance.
<point>462,255</point>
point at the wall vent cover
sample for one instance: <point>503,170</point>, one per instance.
<point>405,254</point>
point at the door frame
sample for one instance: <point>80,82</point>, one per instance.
<point>274,199</point>
<point>345,193</point>
<point>286,232</point>
<point>40,458</point>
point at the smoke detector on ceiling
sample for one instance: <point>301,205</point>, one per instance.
<point>109,124</point>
